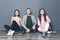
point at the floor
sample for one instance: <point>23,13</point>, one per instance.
<point>29,36</point>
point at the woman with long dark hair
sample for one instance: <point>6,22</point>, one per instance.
<point>16,23</point>
<point>43,21</point>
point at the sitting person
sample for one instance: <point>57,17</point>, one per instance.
<point>43,21</point>
<point>29,21</point>
<point>16,23</point>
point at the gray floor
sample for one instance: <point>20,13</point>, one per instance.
<point>29,36</point>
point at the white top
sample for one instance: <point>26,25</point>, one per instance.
<point>42,20</point>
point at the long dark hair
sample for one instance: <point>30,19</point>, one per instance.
<point>18,12</point>
<point>29,9</point>
<point>43,14</point>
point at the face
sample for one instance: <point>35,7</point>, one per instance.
<point>28,11</point>
<point>16,13</point>
<point>42,12</point>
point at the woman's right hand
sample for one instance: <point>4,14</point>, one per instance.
<point>28,30</point>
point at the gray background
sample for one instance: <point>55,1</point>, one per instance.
<point>7,8</point>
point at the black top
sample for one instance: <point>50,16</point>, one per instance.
<point>29,22</point>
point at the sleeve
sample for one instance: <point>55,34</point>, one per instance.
<point>48,19</point>
<point>23,23</point>
<point>38,22</point>
<point>34,20</point>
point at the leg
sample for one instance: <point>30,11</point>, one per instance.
<point>23,30</point>
<point>7,27</point>
<point>36,28</point>
<point>46,27</point>
<point>15,26</point>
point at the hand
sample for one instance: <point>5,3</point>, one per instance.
<point>28,30</point>
<point>33,27</point>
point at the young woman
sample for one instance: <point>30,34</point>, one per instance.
<point>43,21</point>
<point>29,21</point>
<point>16,23</point>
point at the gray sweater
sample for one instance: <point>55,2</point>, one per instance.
<point>25,19</point>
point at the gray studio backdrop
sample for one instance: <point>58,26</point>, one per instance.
<point>7,8</point>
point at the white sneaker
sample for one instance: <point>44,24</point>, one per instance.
<point>49,32</point>
<point>8,34</point>
<point>12,32</point>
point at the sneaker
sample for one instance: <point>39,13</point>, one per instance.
<point>49,32</point>
<point>12,32</point>
<point>8,34</point>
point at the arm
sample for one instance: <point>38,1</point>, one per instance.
<point>24,22</point>
<point>34,23</point>
<point>27,30</point>
<point>38,22</point>
<point>48,19</point>
<point>34,20</point>
<point>20,21</point>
